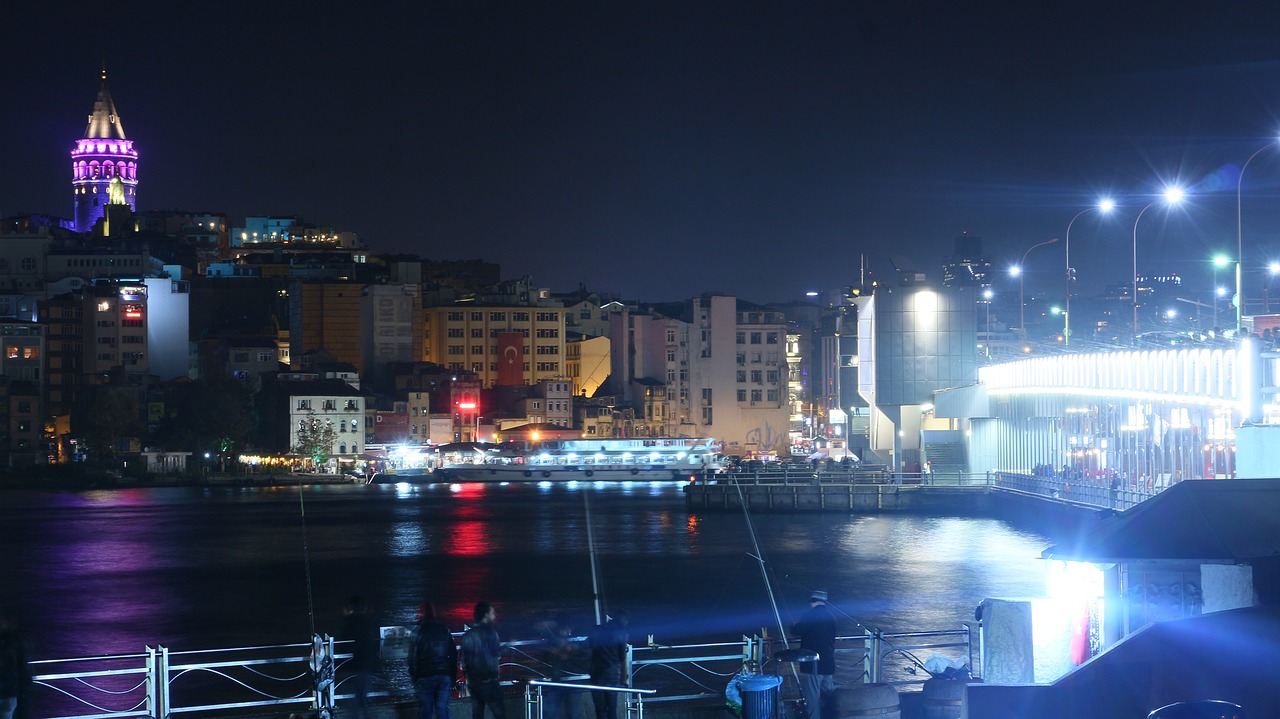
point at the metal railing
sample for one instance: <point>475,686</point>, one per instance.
<point>800,475</point>
<point>1093,493</point>
<point>159,684</point>
<point>633,699</point>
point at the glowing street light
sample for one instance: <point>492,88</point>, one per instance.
<point>987,294</point>
<point>1104,206</point>
<point>1218,290</point>
<point>1016,271</point>
<point>1171,196</point>
<point>1065,322</point>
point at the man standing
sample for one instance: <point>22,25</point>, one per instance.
<point>480,651</point>
<point>433,659</point>
<point>559,702</point>
<point>608,657</point>
<point>359,629</point>
<point>817,632</point>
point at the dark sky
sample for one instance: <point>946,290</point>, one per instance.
<point>659,150</point>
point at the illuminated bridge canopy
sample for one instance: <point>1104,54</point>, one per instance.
<point>1217,377</point>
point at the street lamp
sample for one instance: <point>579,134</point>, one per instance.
<point>987,294</point>
<point>1065,322</point>
<point>1218,292</point>
<point>1240,237</point>
<point>1104,206</point>
<point>1273,269</point>
<point>1171,196</point>
<point>1016,271</point>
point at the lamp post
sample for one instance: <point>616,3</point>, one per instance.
<point>987,294</point>
<point>1171,196</point>
<point>1273,269</point>
<point>1016,271</point>
<point>1221,261</point>
<point>1065,322</point>
<point>1104,206</point>
<point>1240,238</point>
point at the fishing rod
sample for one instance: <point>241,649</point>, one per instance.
<point>306,560</point>
<point>591,549</point>
<point>764,572</point>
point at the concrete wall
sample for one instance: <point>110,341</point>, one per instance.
<point>1231,656</point>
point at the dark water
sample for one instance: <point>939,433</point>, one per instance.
<point>113,571</point>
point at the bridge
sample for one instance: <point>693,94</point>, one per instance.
<point>1152,418</point>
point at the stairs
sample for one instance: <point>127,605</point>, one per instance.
<point>947,457</point>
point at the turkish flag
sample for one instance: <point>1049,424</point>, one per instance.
<point>510,358</point>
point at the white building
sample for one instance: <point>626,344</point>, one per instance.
<point>723,363</point>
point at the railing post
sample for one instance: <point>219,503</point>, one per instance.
<point>874,657</point>
<point>530,700</point>
<point>322,675</point>
<point>158,682</point>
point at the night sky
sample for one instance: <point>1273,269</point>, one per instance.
<point>659,150</point>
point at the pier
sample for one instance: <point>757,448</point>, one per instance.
<point>788,490</point>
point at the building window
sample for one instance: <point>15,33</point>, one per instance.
<point>304,404</point>
<point>742,395</point>
<point>477,333</point>
<point>330,404</point>
<point>756,376</point>
<point>706,415</point>
<point>771,376</point>
<point>455,316</point>
<point>519,316</point>
<point>772,338</point>
<point>457,350</point>
<point>772,395</point>
<point>477,349</point>
<point>351,405</point>
<point>477,317</point>
<point>742,375</point>
<point>266,357</point>
<point>755,338</point>
<point>706,395</point>
<point>497,316</point>
<point>742,338</point>
<point>455,332</point>
<point>755,395</point>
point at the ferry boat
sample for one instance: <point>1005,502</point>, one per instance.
<point>402,474</point>
<point>643,459</point>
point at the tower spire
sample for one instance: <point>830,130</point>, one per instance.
<point>102,155</point>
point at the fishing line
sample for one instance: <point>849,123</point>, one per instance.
<point>306,560</point>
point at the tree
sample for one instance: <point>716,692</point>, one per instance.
<point>211,413</point>
<point>315,439</point>
<point>103,417</point>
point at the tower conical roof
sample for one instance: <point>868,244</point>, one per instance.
<point>104,123</point>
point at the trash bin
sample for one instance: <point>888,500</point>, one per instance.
<point>759,694</point>
<point>1203,709</point>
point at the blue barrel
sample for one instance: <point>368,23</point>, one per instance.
<point>759,695</point>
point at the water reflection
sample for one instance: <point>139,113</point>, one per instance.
<point>115,571</point>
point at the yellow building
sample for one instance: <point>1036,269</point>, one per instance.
<point>587,364</point>
<point>500,344</point>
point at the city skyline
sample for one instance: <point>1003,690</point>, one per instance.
<point>755,151</point>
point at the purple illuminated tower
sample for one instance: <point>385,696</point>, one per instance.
<point>102,156</point>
